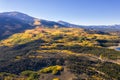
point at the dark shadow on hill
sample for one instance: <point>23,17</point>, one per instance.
<point>11,25</point>
<point>8,55</point>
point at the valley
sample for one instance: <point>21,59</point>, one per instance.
<point>115,47</point>
<point>23,55</point>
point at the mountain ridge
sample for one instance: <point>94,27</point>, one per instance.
<point>15,22</point>
<point>93,27</point>
<point>13,19</point>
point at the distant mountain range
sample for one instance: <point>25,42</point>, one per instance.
<point>93,27</point>
<point>15,22</point>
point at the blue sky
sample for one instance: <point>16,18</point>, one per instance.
<point>83,12</point>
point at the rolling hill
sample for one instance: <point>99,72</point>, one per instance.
<point>15,22</point>
<point>9,26</point>
<point>59,53</point>
<point>37,49</point>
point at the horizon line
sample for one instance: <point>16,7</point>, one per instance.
<point>63,20</point>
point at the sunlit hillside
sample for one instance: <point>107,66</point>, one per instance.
<point>60,36</point>
<point>59,40</point>
<point>55,53</point>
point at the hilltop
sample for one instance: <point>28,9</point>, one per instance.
<point>16,22</point>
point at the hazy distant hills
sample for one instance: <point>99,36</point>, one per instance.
<point>15,22</point>
<point>93,27</point>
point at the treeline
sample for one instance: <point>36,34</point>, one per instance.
<point>108,43</point>
<point>93,70</point>
<point>17,67</point>
<point>106,53</point>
